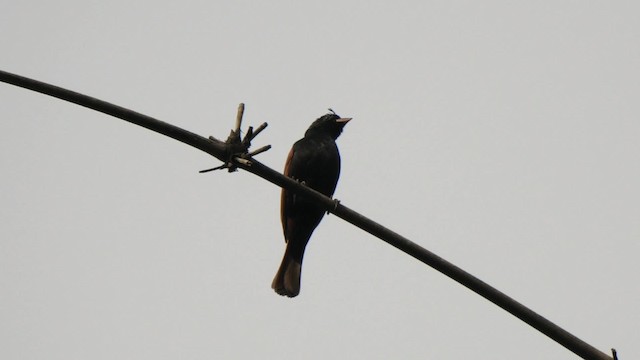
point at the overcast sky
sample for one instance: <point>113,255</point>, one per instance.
<point>501,135</point>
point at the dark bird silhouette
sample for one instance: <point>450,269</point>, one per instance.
<point>315,161</point>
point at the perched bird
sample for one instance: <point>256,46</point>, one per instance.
<point>315,161</point>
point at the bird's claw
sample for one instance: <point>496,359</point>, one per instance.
<point>299,181</point>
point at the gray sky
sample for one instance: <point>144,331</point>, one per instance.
<point>502,136</point>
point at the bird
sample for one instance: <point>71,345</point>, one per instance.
<point>314,161</point>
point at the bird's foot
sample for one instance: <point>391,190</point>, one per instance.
<point>300,181</point>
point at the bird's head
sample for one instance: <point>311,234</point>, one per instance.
<point>330,124</point>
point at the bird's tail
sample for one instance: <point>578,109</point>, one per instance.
<point>287,280</point>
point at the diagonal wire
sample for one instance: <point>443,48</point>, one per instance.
<point>219,150</point>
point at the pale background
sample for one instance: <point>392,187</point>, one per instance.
<point>501,135</point>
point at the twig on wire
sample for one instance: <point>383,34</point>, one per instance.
<point>248,136</point>
<point>258,130</point>
<point>235,155</point>
<point>239,116</point>
<point>223,166</point>
<point>237,147</point>
<point>260,150</point>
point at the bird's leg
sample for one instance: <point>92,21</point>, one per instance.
<point>299,182</point>
<point>336,202</point>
